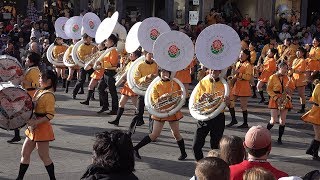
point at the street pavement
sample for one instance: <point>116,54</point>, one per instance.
<point>75,126</point>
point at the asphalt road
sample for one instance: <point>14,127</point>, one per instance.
<point>75,126</point>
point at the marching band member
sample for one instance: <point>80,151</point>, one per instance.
<point>313,117</point>
<point>241,88</point>
<point>40,131</point>
<point>145,72</point>
<point>287,51</point>
<point>279,88</point>
<point>161,90</point>
<point>126,92</point>
<point>253,59</point>
<point>109,65</point>
<point>184,76</point>
<point>216,125</point>
<point>72,69</point>
<point>30,83</point>
<point>96,76</point>
<point>313,64</point>
<point>299,78</point>
<point>269,66</point>
<point>84,51</point>
<point>272,44</point>
<point>58,51</point>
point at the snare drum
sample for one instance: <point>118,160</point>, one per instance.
<point>16,106</point>
<point>10,70</point>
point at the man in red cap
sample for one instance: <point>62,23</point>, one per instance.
<point>258,146</point>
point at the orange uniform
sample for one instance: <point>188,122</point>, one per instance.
<point>59,50</point>
<point>253,57</point>
<point>126,89</point>
<point>32,75</point>
<point>184,75</point>
<point>298,70</point>
<point>269,67</point>
<point>313,116</point>
<point>97,74</point>
<point>244,45</point>
<point>210,87</point>
<point>313,62</point>
<point>84,50</point>
<point>110,60</point>
<point>44,107</point>
<point>161,88</point>
<point>242,85</point>
<point>276,86</point>
<point>143,70</point>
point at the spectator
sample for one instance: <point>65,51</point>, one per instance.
<point>32,12</point>
<point>35,31</point>
<point>258,146</point>
<point>214,153</point>
<point>14,33</point>
<point>212,168</point>
<point>232,150</point>
<point>258,173</point>
<point>282,20</point>
<point>246,21</point>
<point>11,51</point>
<point>32,39</point>
<point>9,27</point>
<point>112,157</point>
<point>211,18</point>
<point>284,34</point>
<point>198,28</point>
<point>34,47</point>
<point>307,38</point>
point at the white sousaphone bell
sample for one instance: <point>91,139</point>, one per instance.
<point>131,45</point>
<point>173,51</point>
<point>105,29</point>
<point>217,47</point>
<point>72,29</point>
<point>143,34</point>
<point>89,25</point>
<point>59,26</point>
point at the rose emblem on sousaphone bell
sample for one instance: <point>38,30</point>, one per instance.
<point>154,33</point>
<point>75,28</point>
<point>91,24</point>
<point>173,51</point>
<point>217,47</point>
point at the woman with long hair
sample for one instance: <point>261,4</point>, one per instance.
<point>39,132</point>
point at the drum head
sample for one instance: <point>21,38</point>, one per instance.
<point>59,27</point>
<point>10,70</point>
<point>149,30</point>
<point>132,42</point>
<point>16,106</point>
<point>173,51</point>
<point>218,46</point>
<point>90,24</point>
<point>73,27</point>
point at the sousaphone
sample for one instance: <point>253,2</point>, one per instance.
<point>59,26</point>
<point>217,47</point>
<point>73,31</point>
<point>173,51</point>
<point>147,33</point>
<point>89,25</point>
<point>105,29</point>
<point>131,45</point>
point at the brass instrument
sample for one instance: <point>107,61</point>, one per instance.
<point>234,75</point>
<point>146,83</point>
<point>168,102</point>
<point>285,54</point>
<point>284,98</point>
<point>316,82</point>
<point>91,57</point>
<point>208,104</point>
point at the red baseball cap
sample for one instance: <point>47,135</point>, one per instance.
<point>257,137</point>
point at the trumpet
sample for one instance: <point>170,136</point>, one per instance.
<point>285,54</point>
<point>208,104</point>
<point>168,102</point>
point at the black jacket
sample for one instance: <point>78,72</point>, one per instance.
<point>95,172</point>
